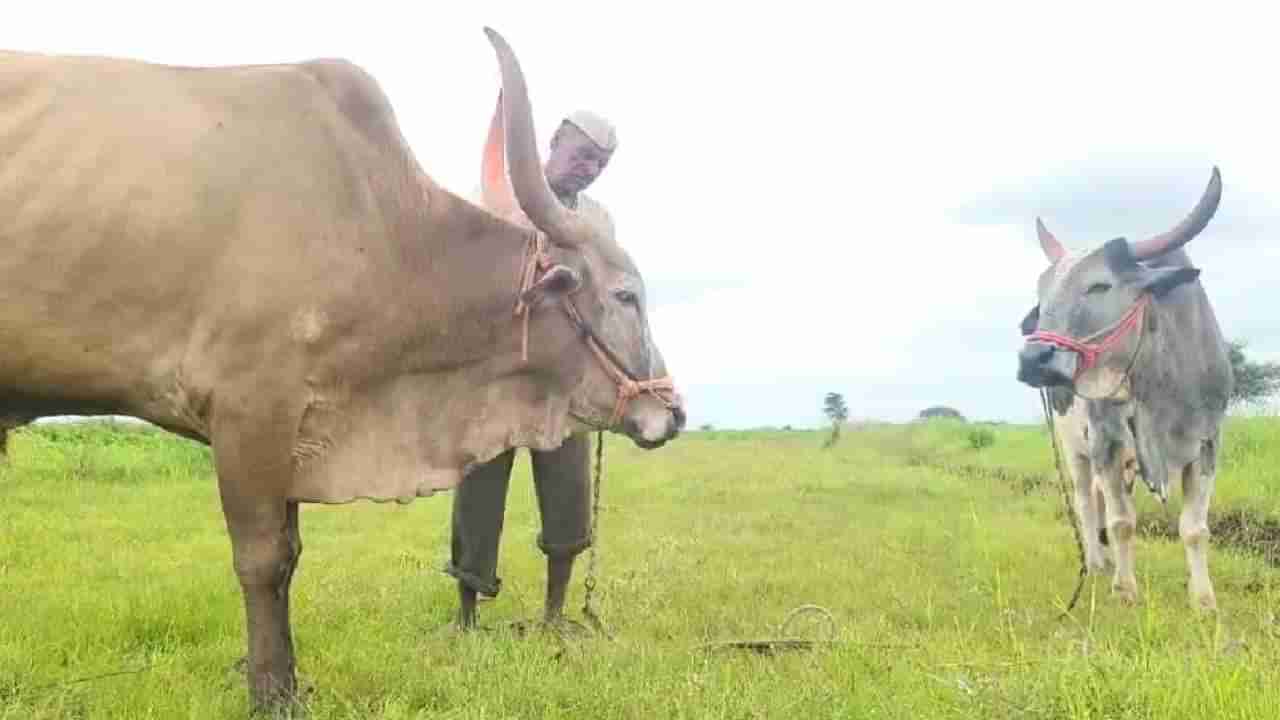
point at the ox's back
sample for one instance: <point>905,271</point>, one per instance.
<point>146,210</point>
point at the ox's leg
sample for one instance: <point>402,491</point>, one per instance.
<point>1089,508</point>
<point>9,423</point>
<point>1122,524</point>
<point>478,506</point>
<point>1198,480</point>
<point>254,462</point>
<point>1111,452</point>
<point>266,546</point>
<point>562,478</point>
<point>1100,520</point>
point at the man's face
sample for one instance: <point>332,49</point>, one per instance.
<point>575,161</point>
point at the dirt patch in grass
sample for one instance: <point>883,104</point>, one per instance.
<point>1025,481</point>
<point>1240,530</point>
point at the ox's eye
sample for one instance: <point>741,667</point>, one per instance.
<point>1099,287</point>
<point>626,296</point>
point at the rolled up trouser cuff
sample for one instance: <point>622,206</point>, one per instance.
<point>563,550</point>
<point>473,581</point>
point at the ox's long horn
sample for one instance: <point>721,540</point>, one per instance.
<point>1190,226</point>
<point>1052,248</point>
<point>527,178</point>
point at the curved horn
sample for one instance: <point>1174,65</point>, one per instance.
<point>1190,226</point>
<point>1048,243</point>
<point>495,188</point>
<point>527,179</point>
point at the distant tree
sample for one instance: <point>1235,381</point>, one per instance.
<point>1254,381</point>
<point>941,411</point>
<point>981,437</point>
<point>837,412</point>
<point>707,427</point>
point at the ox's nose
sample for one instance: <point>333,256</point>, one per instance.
<point>654,429</point>
<point>1034,365</point>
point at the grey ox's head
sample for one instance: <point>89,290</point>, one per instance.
<point>611,353</point>
<point>1091,308</point>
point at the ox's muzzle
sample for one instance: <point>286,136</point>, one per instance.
<point>1043,365</point>
<point>653,424</point>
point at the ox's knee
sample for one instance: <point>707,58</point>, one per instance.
<point>268,562</point>
<point>1121,531</point>
<point>1193,532</point>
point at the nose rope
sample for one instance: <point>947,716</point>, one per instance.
<point>535,261</point>
<point>629,388</point>
<point>1090,349</point>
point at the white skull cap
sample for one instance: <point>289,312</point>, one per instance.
<point>600,131</point>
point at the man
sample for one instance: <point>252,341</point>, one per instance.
<point>580,150</point>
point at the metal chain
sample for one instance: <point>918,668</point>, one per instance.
<point>1066,497</point>
<point>589,582</point>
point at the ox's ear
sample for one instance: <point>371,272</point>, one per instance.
<point>1031,321</point>
<point>1159,281</point>
<point>1053,249</point>
<point>559,281</point>
<point>1119,256</point>
<point>495,186</point>
<point>1156,280</point>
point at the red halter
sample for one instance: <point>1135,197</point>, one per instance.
<point>1090,348</point>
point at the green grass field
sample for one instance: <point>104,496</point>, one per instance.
<point>945,568</point>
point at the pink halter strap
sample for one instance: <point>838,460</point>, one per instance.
<point>1089,349</point>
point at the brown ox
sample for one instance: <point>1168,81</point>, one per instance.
<point>251,257</point>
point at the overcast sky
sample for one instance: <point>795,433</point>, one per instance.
<point>822,199</point>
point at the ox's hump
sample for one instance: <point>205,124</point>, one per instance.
<point>360,100</point>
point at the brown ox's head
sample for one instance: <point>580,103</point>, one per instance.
<point>588,301</point>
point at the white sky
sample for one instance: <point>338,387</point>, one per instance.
<point>787,177</point>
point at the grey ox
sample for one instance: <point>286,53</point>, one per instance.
<point>1127,342</point>
<point>252,257</point>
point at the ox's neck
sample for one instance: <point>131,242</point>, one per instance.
<point>456,272</point>
<point>451,391</point>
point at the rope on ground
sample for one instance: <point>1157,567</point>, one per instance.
<point>89,678</point>
<point>786,641</point>
<point>1066,497</point>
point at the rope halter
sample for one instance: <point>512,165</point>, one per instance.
<point>536,262</point>
<point>1091,348</point>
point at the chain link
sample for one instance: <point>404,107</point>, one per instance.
<point>1072,519</point>
<point>589,583</point>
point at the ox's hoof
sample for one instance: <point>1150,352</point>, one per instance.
<point>1204,602</point>
<point>285,707</point>
<point>1125,594</point>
